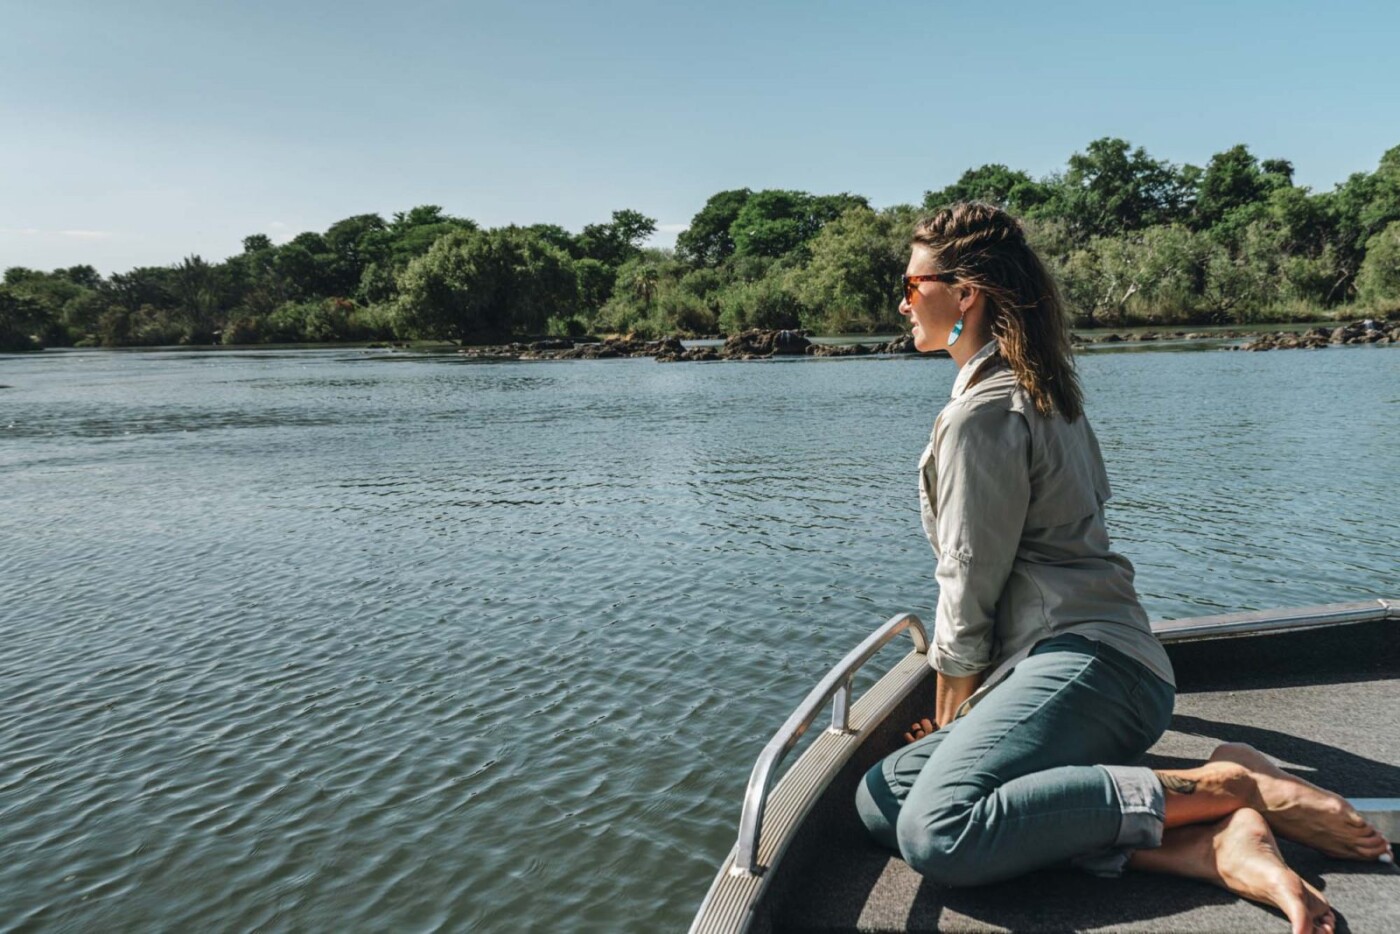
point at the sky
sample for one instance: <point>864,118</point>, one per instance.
<point>141,132</point>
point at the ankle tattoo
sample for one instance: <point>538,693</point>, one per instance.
<point>1182,786</point>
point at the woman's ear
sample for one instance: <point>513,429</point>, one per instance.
<point>967,297</point>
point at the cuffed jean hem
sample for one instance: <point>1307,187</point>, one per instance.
<point>1144,807</point>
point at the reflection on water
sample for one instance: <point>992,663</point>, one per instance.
<point>334,639</point>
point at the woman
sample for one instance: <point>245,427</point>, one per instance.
<point>1049,678</point>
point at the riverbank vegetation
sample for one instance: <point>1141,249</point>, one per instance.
<point>1133,240</point>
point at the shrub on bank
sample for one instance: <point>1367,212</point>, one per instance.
<point>766,303</point>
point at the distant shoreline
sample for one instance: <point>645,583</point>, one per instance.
<point>760,344</point>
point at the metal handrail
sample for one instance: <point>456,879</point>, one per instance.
<point>1257,622</point>
<point>837,685</point>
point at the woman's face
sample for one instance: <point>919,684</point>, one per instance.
<point>934,310</point>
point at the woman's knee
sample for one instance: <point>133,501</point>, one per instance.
<point>939,847</point>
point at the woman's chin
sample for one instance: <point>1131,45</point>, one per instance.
<point>921,341</point>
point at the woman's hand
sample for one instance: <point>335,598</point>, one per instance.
<point>919,730</point>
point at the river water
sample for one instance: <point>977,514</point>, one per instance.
<point>339,639</point>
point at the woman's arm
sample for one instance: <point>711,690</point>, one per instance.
<point>983,492</point>
<point>951,694</point>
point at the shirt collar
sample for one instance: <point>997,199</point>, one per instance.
<point>969,369</point>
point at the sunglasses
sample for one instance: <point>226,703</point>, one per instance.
<point>911,283</point>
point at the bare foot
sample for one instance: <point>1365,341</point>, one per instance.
<point>1303,812</point>
<point>1238,853</point>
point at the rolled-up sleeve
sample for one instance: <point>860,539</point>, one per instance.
<point>983,492</point>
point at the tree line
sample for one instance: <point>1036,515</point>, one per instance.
<point>1132,239</point>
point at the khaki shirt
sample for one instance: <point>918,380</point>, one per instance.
<point>1012,504</point>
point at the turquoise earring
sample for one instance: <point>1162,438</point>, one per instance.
<point>957,332</point>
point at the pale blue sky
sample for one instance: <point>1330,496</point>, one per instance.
<point>142,131</point>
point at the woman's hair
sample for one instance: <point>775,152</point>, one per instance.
<point>985,247</point>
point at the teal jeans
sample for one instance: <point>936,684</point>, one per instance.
<point>1036,774</point>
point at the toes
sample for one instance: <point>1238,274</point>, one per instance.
<point>1373,849</point>
<point>1319,916</point>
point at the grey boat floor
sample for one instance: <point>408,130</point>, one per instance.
<point>1326,703</point>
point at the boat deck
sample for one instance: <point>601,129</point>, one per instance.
<point>1325,702</point>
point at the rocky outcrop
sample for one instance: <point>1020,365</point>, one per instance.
<point>672,351</point>
<point>754,344</point>
<point>902,344</point>
<point>1369,331</point>
<point>1143,336</point>
<point>563,348</point>
<point>841,350</point>
<point>759,344</point>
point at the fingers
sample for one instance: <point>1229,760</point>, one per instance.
<point>919,730</point>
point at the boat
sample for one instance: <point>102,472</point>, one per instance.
<point>1317,688</point>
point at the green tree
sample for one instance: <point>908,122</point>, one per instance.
<point>1013,190</point>
<point>556,237</point>
<point>1383,206</point>
<point>352,245</point>
<point>1232,179</point>
<point>1156,274</point>
<point>773,223</point>
<point>766,303</point>
<point>618,241</point>
<point>473,285</point>
<point>1378,282</point>
<point>20,318</point>
<point>707,241</point>
<point>595,285</point>
<point>851,282</point>
<point>1111,188</point>
<point>303,264</point>
<point>455,290</point>
<point>640,284</point>
<point>413,232</point>
<point>1358,209</point>
<point>82,276</point>
<point>195,287</point>
<point>378,284</point>
<point>143,286</point>
<point>82,315</point>
<point>542,281</point>
<point>50,296</point>
<point>253,278</point>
